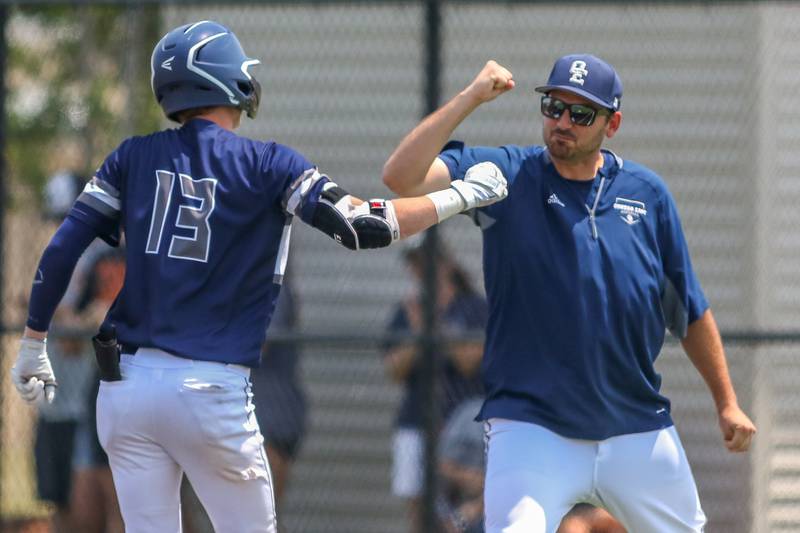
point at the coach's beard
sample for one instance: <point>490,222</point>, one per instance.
<point>563,146</point>
<point>560,144</point>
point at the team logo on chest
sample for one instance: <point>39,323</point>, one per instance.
<point>630,211</point>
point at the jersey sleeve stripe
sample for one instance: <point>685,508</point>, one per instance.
<point>101,204</point>
<point>299,189</point>
<point>105,186</point>
<point>96,189</point>
<point>283,252</point>
<point>676,315</point>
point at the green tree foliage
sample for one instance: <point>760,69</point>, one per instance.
<point>78,83</point>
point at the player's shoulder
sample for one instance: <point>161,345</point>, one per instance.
<point>146,142</point>
<point>279,150</point>
<point>523,160</point>
<point>281,156</point>
<point>226,139</point>
<point>642,176</point>
<point>522,152</point>
<point>512,158</point>
<point>131,143</point>
<point>507,152</point>
<point>513,153</point>
<point>204,131</point>
<point>273,158</point>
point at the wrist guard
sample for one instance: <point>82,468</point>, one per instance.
<point>372,224</point>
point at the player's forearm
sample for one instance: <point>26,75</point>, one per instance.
<point>406,169</point>
<point>703,345</point>
<point>483,184</point>
<point>415,214</point>
<point>377,223</point>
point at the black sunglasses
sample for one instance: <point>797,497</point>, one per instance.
<point>579,114</point>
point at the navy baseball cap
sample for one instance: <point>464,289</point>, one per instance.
<point>588,76</point>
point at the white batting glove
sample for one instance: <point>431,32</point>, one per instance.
<point>32,374</point>
<point>483,184</point>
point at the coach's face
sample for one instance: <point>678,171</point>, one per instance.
<point>573,143</point>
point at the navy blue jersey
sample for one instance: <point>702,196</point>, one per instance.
<point>206,216</point>
<point>579,303</point>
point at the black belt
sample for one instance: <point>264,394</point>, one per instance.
<point>128,349</point>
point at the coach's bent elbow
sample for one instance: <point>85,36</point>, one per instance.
<point>402,178</point>
<point>391,177</point>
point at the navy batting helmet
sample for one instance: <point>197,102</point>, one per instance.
<point>203,64</point>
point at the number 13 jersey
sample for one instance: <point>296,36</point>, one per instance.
<point>207,235</point>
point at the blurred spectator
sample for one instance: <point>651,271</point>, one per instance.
<point>103,282</point>
<point>60,191</point>
<point>462,463</point>
<point>461,310</point>
<point>57,427</point>
<point>94,486</point>
<point>280,403</point>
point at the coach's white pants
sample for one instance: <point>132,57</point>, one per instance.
<point>171,415</point>
<point>535,476</point>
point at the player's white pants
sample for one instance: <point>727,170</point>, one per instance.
<point>535,476</point>
<point>171,415</point>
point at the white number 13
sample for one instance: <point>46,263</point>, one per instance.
<point>190,217</point>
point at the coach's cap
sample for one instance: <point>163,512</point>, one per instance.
<point>588,76</point>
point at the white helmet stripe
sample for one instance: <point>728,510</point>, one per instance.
<point>247,64</point>
<point>197,70</point>
<point>193,26</point>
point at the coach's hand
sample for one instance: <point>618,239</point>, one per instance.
<point>737,429</point>
<point>483,184</point>
<point>490,83</point>
<point>32,374</point>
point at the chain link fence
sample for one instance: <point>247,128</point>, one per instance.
<point>708,104</point>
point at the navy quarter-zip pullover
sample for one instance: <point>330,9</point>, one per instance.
<point>582,280</point>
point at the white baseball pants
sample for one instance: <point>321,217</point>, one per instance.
<point>171,415</point>
<point>535,476</point>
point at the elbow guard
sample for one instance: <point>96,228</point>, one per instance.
<point>371,224</point>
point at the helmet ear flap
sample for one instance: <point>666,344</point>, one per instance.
<point>253,99</point>
<point>245,87</point>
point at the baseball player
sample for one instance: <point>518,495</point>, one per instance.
<point>206,216</point>
<point>585,266</point>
